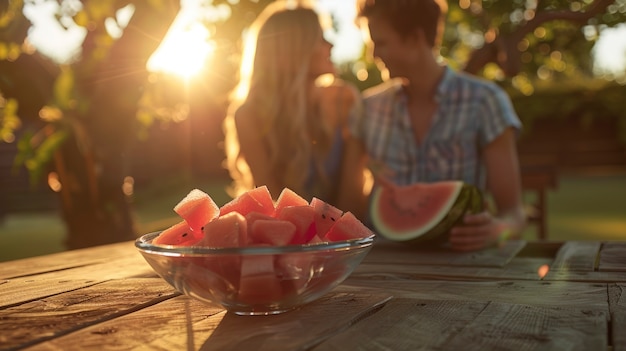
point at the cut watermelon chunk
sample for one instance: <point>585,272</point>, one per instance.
<point>246,203</point>
<point>316,239</point>
<point>304,219</point>
<point>287,198</point>
<point>253,217</point>
<point>294,270</point>
<point>259,283</point>
<point>325,215</point>
<point>348,227</point>
<point>178,234</point>
<point>229,230</point>
<point>197,209</point>
<point>271,231</point>
<point>263,196</point>
<point>291,220</point>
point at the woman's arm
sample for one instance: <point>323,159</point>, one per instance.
<point>350,192</point>
<point>350,195</point>
<point>253,149</point>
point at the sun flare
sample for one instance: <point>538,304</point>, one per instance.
<point>184,51</point>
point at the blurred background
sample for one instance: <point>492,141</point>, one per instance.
<point>111,110</point>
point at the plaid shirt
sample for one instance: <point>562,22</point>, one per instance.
<point>471,113</point>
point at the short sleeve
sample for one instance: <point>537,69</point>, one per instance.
<point>498,115</point>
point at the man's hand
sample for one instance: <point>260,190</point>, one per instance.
<point>478,231</point>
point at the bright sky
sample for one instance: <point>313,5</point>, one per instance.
<point>348,40</point>
<point>62,44</point>
<point>610,49</point>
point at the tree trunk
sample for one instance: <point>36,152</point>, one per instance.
<point>95,207</point>
<point>92,162</point>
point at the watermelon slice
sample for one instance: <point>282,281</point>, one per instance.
<point>348,227</point>
<point>273,231</point>
<point>178,234</point>
<point>246,203</point>
<point>229,230</point>
<point>295,271</point>
<point>422,211</point>
<point>263,196</point>
<point>197,209</point>
<point>303,216</point>
<point>258,283</point>
<point>325,215</point>
<point>287,198</point>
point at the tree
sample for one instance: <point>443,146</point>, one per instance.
<point>85,110</point>
<point>83,114</point>
<point>523,43</point>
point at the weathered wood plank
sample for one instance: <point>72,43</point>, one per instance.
<point>45,319</point>
<point>39,286</point>
<point>595,277</point>
<point>612,257</point>
<point>182,323</point>
<point>525,268</point>
<point>388,251</point>
<point>577,256</point>
<point>65,260</point>
<point>411,324</point>
<point>617,305</point>
<point>539,293</point>
<point>503,326</point>
<point>407,324</point>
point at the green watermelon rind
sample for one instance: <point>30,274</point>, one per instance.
<point>476,203</point>
<point>454,215</point>
<point>468,198</point>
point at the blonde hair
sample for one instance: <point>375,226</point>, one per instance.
<point>274,83</point>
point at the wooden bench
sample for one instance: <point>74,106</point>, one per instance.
<point>539,175</point>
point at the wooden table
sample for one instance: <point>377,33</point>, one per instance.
<point>525,295</point>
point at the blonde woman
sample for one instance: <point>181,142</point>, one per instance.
<point>284,127</point>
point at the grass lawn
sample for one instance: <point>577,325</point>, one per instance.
<point>582,208</point>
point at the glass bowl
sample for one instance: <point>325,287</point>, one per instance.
<point>255,280</point>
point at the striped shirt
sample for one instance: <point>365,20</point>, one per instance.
<point>471,113</point>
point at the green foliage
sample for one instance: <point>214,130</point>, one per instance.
<point>64,89</point>
<point>591,99</point>
<point>68,100</point>
<point>523,43</point>
<point>550,40</point>
<point>37,157</point>
<point>9,121</point>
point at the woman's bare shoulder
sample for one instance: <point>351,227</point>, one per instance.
<point>340,93</point>
<point>338,99</point>
<point>245,120</point>
<point>245,113</point>
<point>343,89</point>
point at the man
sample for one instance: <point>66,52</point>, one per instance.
<point>428,123</point>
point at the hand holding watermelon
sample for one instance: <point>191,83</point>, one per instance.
<point>480,230</point>
<point>422,212</point>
